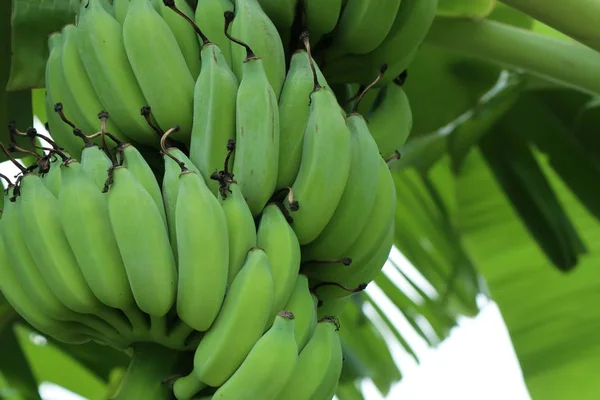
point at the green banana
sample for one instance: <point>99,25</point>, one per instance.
<point>267,367</point>
<point>412,22</point>
<point>390,120</point>
<point>96,164</point>
<point>136,164</point>
<point>282,13</point>
<point>318,367</point>
<point>170,189</point>
<point>184,33</point>
<point>61,132</point>
<point>53,178</point>
<point>352,212</point>
<point>100,45</point>
<point>241,229</point>
<point>203,251</point>
<point>160,67</point>
<point>324,168</point>
<point>120,7</point>
<point>209,17</point>
<point>465,8</point>
<point>303,304</point>
<point>240,322</point>
<point>214,113</point>
<point>143,243</point>
<point>257,135</point>
<point>76,83</point>
<point>363,26</point>
<point>371,236</point>
<point>280,243</point>
<point>293,117</point>
<point>252,26</point>
<point>321,17</point>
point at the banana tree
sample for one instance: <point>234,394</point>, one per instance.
<point>496,193</point>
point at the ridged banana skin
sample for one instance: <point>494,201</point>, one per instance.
<point>203,249</point>
<point>120,7</point>
<point>252,26</point>
<point>363,25</point>
<point>390,122</point>
<point>209,17</point>
<point>13,290</point>
<point>96,164</point>
<point>277,238</point>
<point>100,45</point>
<point>240,227</point>
<point>312,368</point>
<point>321,17</point>
<point>282,13</point>
<point>143,243</point>
<point>370,238</point>
<point>84,217</point>
<point>303,305</point>
<point>331,379</point>
<point>61,132</point>
<point>326,157</point>
<point>352,212</point>
<point>53,178</point>
<point>170,189</point>
<point>136,164</point>
<point>77,83</point>
<point>184,33</point>
<point>257,136</point>
<point>413,20</point>
<point>293,116</point>
<point>40,222</point>
<point>268,366</point>
<point>213,126</point>
<point>160,68</point>
<point>240,323</point>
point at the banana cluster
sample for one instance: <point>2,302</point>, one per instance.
<point>270,201</point>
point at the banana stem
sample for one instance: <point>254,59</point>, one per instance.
<point>150,366</point>
<point>578,19</point>
<point>560,61</point>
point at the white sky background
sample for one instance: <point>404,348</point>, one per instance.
<point>476,362</point>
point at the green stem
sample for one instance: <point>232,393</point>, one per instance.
<point>150,366</point>
<point>567,63</point>
<point>578,19</point>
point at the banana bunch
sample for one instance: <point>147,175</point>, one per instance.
<point>206,189</point>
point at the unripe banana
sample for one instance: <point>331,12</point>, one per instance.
<point>183,32</point>
<point>96,164</point>
<point>355,205</point>
<point>390,120</point>
<point>246,309</point>
<point>282,13</point>
<point>318,367</point>
<point>268,366</point>
<point>137,165</point>
<point>257,135</point>
<point>214,113</point>
<point>280,243</point>
<point>54,77</point>
<point>326,157</point>
<point>252,26</point>
<point>120,7</point>
<point>240,227</point>
<point>143,243</point>
<point>321,17</point>
<point>303,304</point>
<point>52,179</point>
<point>170,189</point>
<point>100,45</point>
<point>203,251</point>
<point>83,100</point>
<point>209,17</point>
<point>159,67</point>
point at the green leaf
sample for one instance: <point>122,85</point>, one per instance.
<point>32,22</point>
<point>551,317</point>
<point>15,368</point>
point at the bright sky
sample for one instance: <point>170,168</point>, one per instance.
<point>476,362</point>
